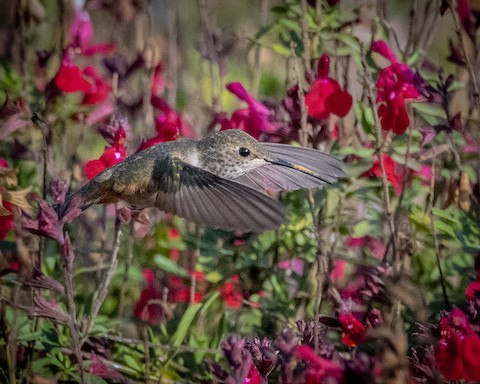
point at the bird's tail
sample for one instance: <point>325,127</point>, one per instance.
<point>82,199</point>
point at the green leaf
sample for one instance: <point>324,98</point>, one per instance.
<point>184,324</point>
<point>432,113</point>
<point>169,266</point>
<point>92,379</point>
<point>133,363</point>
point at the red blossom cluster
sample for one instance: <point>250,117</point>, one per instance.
<point>458,350</point>
<point>168,123</point>
<point>395,85</point>
<point>70,77</point>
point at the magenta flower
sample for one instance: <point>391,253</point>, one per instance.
<point>457,352</point>
<point>81,33</point>
<point>254,120</point>
<point>326,96</point>
<point>395,85</point>
<point>318,368</point>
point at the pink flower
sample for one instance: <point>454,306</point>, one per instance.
<point>254,120</point>
<point>318,368</point>
<point>375,245</point>
<point>457,352</point>
<point>326,96</point>
<point>81,34</point>
<point>338,271</point>
<point>295,265</point>
<point>390,170</point>
<point>395,85</point>
<point>111,156</point>
<point>100,369</point>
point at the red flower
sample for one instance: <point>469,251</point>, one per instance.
<point>318,368</point>
<point>353,330</point>
<point>473,290</point>
<point>465,14</point>
<point>231,294</point>
<point>395,85</point>
<point>70,78</point>
<point>457,352</point>
<point>253,376</point>
<point>168,123</point>
<point>147,308</point>
<point>112,155</point>
<point>254,120</point>
<point>98,91</point>
<point>326,96</point>
<point>390,169</point>
<point>6,221</point>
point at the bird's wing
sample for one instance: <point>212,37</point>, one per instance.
<point>207,199</point>
<point>294,168</point>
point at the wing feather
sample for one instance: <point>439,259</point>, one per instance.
<point>202,197</point>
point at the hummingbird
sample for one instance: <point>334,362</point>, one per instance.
<point>216,182</point>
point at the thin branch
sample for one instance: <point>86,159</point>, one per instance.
<point>103,290</point>
<point>305,38</point>
<point>211,52</point>
<point>72,309</point>
<point>163,347</point>
<point>435,237</point>
<point>471,71</point>
<point>128,263</point>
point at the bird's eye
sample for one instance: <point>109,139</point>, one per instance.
<point>244,151</point>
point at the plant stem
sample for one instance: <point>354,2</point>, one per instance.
<point>72,309</point>
<point>435,238</point>
<point>379,151</point>
<point>103,290</point>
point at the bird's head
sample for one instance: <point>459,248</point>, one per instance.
<point>231,153</point>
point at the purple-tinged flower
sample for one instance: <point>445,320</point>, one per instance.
<point>99,368</point>
<point>239,358</point>
<point>48,310</point>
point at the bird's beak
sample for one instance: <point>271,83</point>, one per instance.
<point>300,168</point>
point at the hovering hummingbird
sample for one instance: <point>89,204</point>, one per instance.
<point>215,182</point>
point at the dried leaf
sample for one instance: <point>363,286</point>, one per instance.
<point>8,177</point>
<point>19,198</point>
<point>465,191</point>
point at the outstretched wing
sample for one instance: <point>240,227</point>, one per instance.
<point>294,168</point>
<point>204,198</point>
